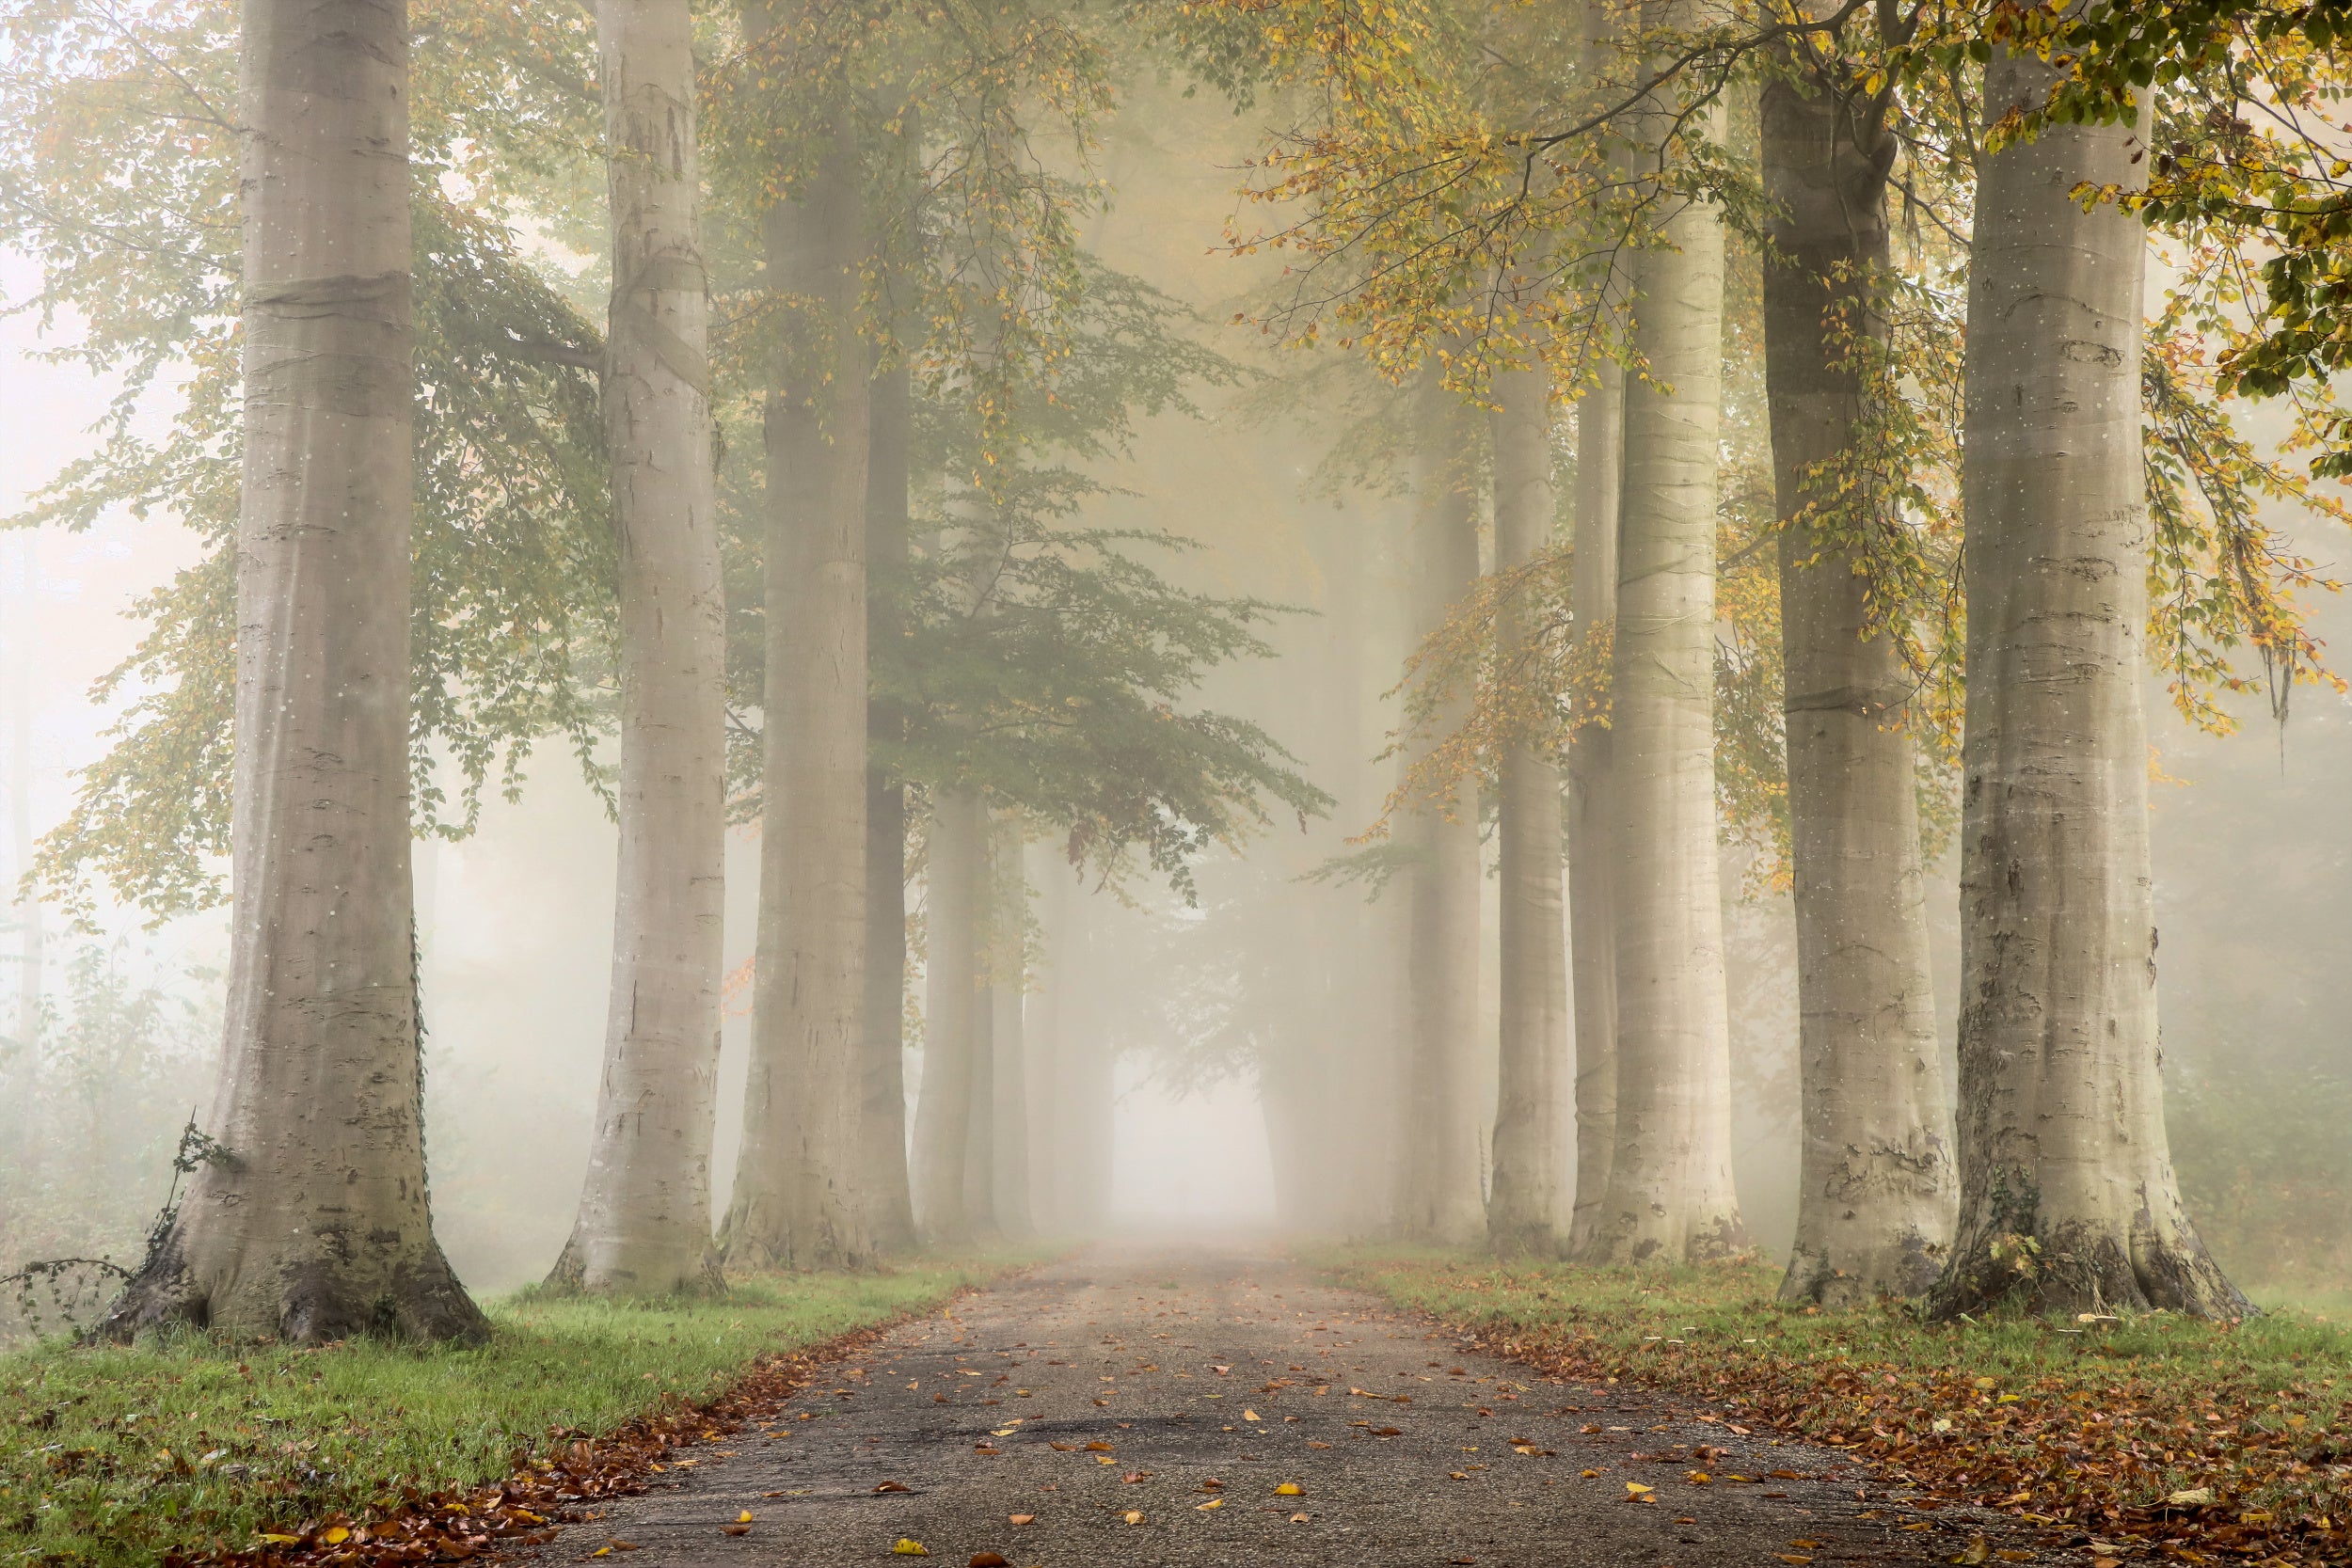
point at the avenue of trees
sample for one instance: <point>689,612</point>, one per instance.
<point>1773,438</point>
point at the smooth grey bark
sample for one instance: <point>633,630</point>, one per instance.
<point>883,1180</point>
<point>1440,1196</point>
<point>1877,1189</point>
<point>317,1225</point>
<point>644,1227</point>
<point>1053,1136</point>
<point>943,1109</point>
<point>1593,609</point>
<point>1670,1196</point>
<point>2068,1200</point>
<point>1526,1210</point>
<point>1011,1182</point>
<point>796,1197</point>
<point>979,1112</point>
<point>1592,911</point>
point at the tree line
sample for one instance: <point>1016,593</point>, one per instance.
<point>800,514</point>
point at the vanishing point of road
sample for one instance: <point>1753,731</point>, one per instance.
<point>1196,1408</point>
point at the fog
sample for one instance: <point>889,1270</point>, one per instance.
<point>1260,1016</point>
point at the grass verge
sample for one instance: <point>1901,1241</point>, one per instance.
<point>114,1456</point>
<point>2146,1434</point>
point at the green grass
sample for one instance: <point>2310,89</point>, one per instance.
<point>113,1455</point>
<point>2056,1419</point>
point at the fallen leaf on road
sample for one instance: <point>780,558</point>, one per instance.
<point>1387,1432</point>
<point>1248,1415</point>
<point>1100,1448</point>
<point>1290,1489</point>
<point>885,1487</point>
<point>1590,1475</point>
<point>735,1529</point>
<point>1063,1448</point>
<point>1792,1557</point>
<point>1313,1444</point>
<point>1104,1459</point>
<point>1025,1518</point>
<point>744,1517</point>
<point>1636,1489</point>
<point>1457,1475</point>
<point>1978,1551</point>
<point>1134,1476</point>
<point>908,1546</point>
<point>986,1448</point>
<point>1803,1544</point>
<point>1135,1516</point>
<point>1301,1518</point>
<point>1213,1502</point>
<point>989,1560</point>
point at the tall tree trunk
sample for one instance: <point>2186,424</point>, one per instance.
<point>1593,605</point>
<point>1010,1179</point>
<point>1526,1211</point>
<point>942,1108</point>
<point>1440,1196</point>
<point>882,1119</point>
<point>1876,1193</point>
<point>1670,1194</point>
<point>1053,1133</point>
<point>1592,909</point>
<point>979,1113</point>
<point>2067,1193</point>
<point>796,1197</point>
<point>644,1212</point>
<point>317,1226</point>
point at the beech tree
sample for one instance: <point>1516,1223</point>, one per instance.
<point>1670,1191</point>
<point>1440,1194</point>
<point>313,1223</point>
<point>644,1214</point>
<point>2068,1199</point>
<point>793,1203</point>
<point>1876,1185</point>
<point>1526,1209</point>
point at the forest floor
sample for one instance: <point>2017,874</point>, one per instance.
<point>1225,1406</point>
<point>115,1456</point>
<point>2148,1437</point>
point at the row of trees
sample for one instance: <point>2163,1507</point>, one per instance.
<point>1539,204</point>
<point>844,232</point>
<point>453,513</point>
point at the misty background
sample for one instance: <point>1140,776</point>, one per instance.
<point>1219,1014</point>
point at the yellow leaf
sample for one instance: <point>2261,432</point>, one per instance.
<point>1637,1488</point>
<point>744,1517</point>
<point>1589,1475</point>
<point>1248,1415</point>
<point>1213,1502</point>
<point>280,1540</point>
<point>1301,1518</point>
<point>1135,1516</point>
<point>601,1551</point>
<point>907,1546</point>
<point>336,1536</point>
<point>1289,1489</point>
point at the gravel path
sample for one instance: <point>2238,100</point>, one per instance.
<point>1151,1407</point>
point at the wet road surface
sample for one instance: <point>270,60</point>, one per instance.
<point>1149,1408</point>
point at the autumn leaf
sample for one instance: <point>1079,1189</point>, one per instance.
<point>908,1546</point>
<point>1135,1516</point>
<point>1248,1414</point>
<point>1213,1502</point>
<point>891,1487</point>
<point>1290,1489</point>
<point>1023,1519</point>
<point>988,1560</point>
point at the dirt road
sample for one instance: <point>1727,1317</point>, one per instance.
<point>1151,1408</point>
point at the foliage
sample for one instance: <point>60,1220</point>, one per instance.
<point>116,1455</point>
<point>2249,149</point>
<point>119,159</point>
<point>2070,1426</point>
